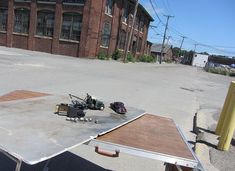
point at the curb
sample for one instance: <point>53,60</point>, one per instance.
<point>201,149</point>
<point>202,152</point>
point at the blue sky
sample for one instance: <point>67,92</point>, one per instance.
<point>208,22</point>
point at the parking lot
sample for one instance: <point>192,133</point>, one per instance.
<point>170,90</point>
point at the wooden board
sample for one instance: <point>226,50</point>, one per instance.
<point>151,133</point>
<point>20,95</point>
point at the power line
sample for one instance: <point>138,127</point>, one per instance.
<point>226,47</point>
<point>166,6</point>
<point>202,44</point>
<point>155,11</point>
<point>156,32</point>
<point>183,35</point>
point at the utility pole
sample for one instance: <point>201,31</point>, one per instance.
<point>195,46</point>
<point>181,44</point>
<point>168,39</point>
<point>131,32</point>
<point>164,37</point>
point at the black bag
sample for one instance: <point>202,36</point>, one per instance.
<point>118,107</point>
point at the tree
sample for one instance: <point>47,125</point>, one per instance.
<point>175,51</point>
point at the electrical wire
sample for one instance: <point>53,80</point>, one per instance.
<point>151,2</point>
<point>176,32</point>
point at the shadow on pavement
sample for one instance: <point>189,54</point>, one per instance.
<point>63,162</point>
<point>233,142</point>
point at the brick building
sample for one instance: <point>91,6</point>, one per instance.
<point>72,27</point>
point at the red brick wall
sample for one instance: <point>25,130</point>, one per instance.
<point>32,25</point>
<point>68,48</point>
<point>85,25</point>
<point>20,41</point>
<point>43,44</point>
<point>115,26</point>
<point>10,22</point>
<point>94,25</point>
<point>57,27</point>
<point>3,38</point>
<point>94,17</point>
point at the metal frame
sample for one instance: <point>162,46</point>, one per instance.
<point>178,161</point>
<point>18,161</point>
<point>147,154</point>
<point>200,167</point>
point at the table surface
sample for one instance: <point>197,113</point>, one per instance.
<point>151,133</point>
<point>31,132</point>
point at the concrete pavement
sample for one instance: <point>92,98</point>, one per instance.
<point>169,90</point>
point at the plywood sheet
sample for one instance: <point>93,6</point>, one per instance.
<point>21,94</point>
<point>151,133</point>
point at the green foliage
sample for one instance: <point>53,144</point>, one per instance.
<point>221,71</point>
<point>116,54</point>
<point>147,58</point>
<point>130,57</point>
<point>175,51</point>
<point>232,73</point>
<point>168,60</point>
<point>102,56</point>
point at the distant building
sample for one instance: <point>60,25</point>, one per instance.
<point>221,60</point>
<point>148,47</point>
<point>73,27</point>
<point>167,51</point>
<point>199,60</point>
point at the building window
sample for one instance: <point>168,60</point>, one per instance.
<point>74,1</point>
<point>122,39</point>
<point>125,12</point>
<point>109,7</point>
<point>45,23</point>
<point>23,0</point>
<point>137,21</point>
<point>3,19</point>
<point>141,28</point>
<point>71,26</point>
<point>106,34</point>
<point>134,44</point>
<point>139,45</point>
<point>21,21</point>
<point>47,1</point>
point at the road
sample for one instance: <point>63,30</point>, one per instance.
<point>170,90</point>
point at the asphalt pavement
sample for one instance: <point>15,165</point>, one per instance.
<point>170,90</point>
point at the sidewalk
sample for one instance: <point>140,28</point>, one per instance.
<point>206,143</point>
